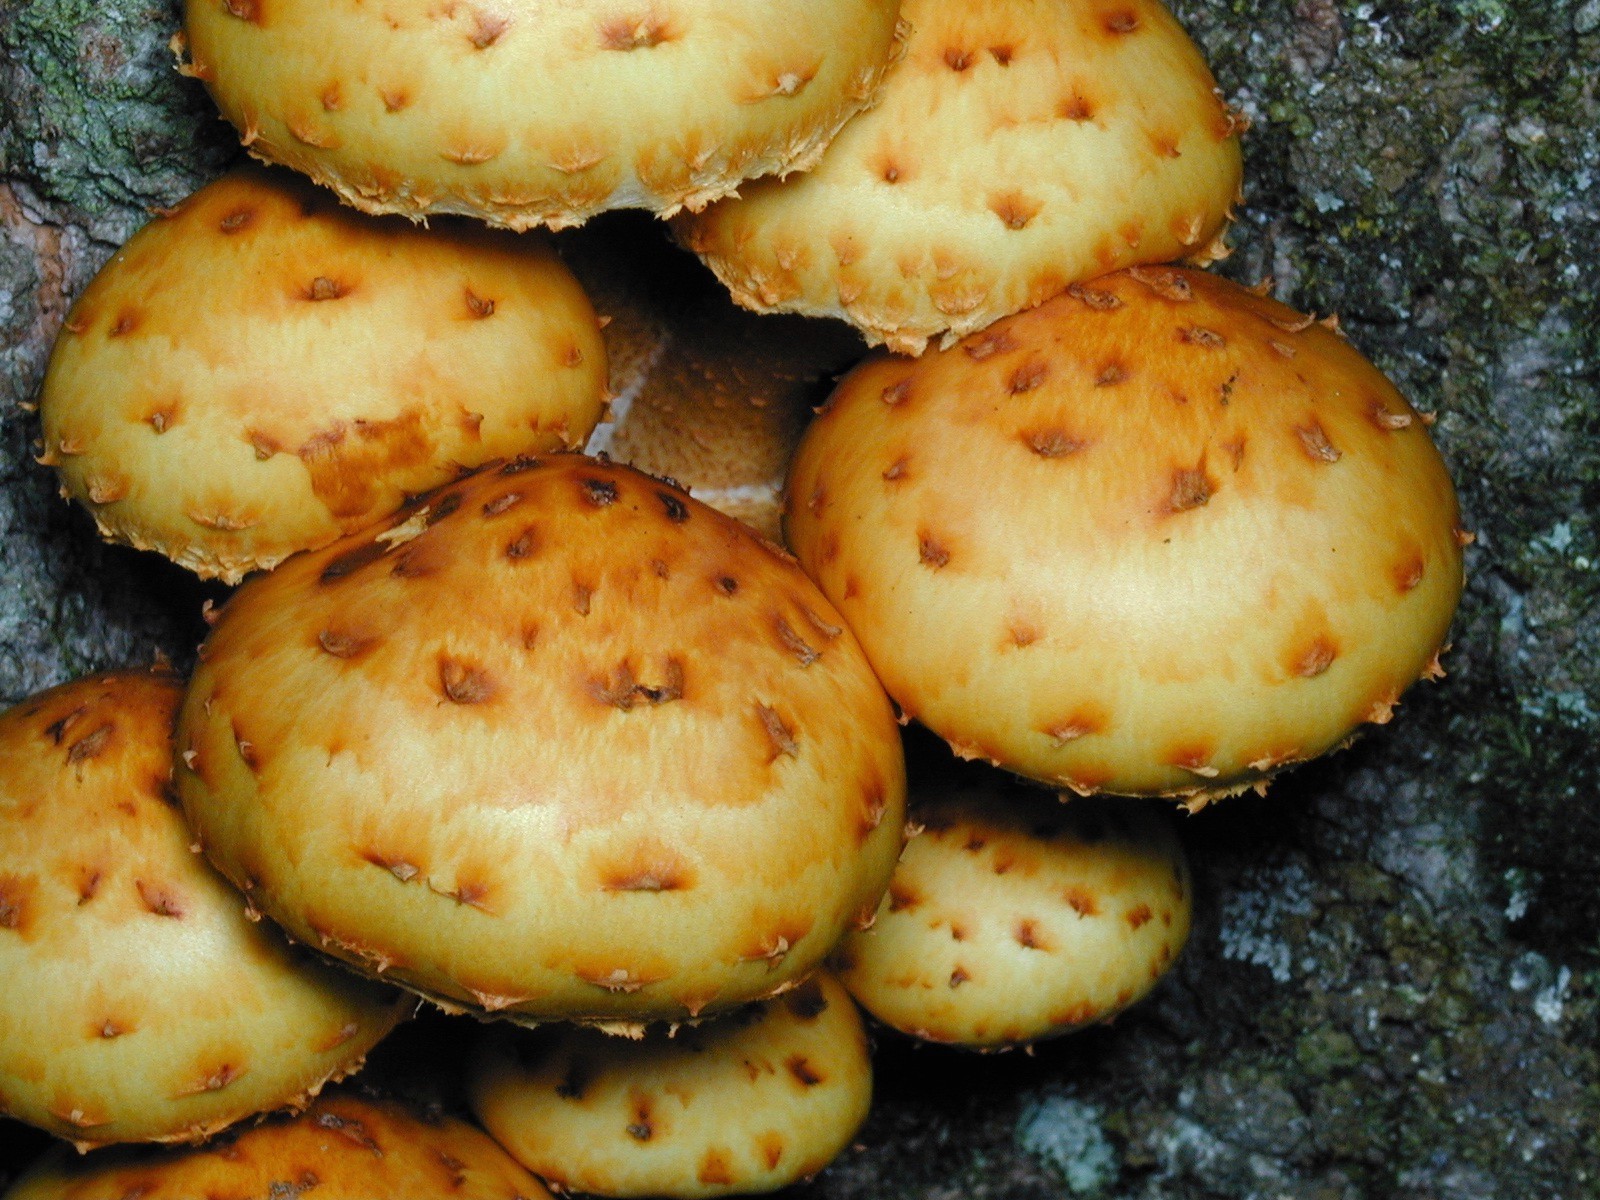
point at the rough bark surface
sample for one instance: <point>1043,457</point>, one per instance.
<point>1393,987</point>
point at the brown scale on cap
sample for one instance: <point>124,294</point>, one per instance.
<point>1027,377</point>
<point>1022,634</point>
<point>1015,210</point>
<point>1409,573</point>
<point>15,908</point>
<point>1166,433</point>
<point>87,882</point>
<point>211,1080</point>
<point>325,288</point>
<point>464,683</point>
<point>1027,934</point>
<point>697,636</point>
<point>635,33</point>
<point>1076,107</point>
<point>159,899</point>
<point>1314,441</point>
<point>1110,374</point>
<point>302,130</point>
<point>488,28</point>
<point>92,744</point>
<point>1316,658</point>
<point>1052,442</point>
<point>1191,488</point>
<point>343,644</point>
<point>1120,21</point>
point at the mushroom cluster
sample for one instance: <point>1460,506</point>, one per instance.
<point>549,740</point>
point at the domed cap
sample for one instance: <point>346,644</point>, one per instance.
<point>139,1002</point>
<point>344,1147</point>
<point>1020,146</point>
<point>260,371</point>
<point>526,114</point>
<point>1158,536</point>
<point>1014,916</point>
<point>750,1102</point>
<point>557,742</point>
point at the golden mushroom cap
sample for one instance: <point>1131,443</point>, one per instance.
<point>139,1003</point>
<point>261,371</point>
<point>1014,917</point>
<point>558,742</point>
<point>527,113</point>
<point>1158,536</point>
<point>1019,147</point>
<point>747,1103</point>
<point>344,1147</point>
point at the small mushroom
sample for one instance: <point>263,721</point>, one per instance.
<point>1013,917</point>
<point>750,1102</point>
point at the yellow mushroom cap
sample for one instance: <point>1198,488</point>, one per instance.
<point>344,1147</point>
<point>1014,917</point>
<point>1158,536</point>
<point>525,113</point>
<point>140,1003</point>
<point>750,1102</point>
<point>558,742</point>
<point>1019,147</point>
<point>261,371</point>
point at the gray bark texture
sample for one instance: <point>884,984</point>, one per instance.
<point>1393,985</point>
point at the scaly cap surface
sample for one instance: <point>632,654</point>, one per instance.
<point>750,1102</point>
<point>260,371</point>
<point>524,112</point>
<point>1014,917</point>
<point>139,1003</point>
<point>1019,147</point>
<point>1158,536</point>
<point>558,742</point>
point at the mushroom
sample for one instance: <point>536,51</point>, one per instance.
<point>1021,146</point>
<point>557,742</point>
<point>343,1147</point>
<point>1160,536</point>
<point>142,1000</point>
<point>538,115</point>
<point>1013,918</point>
<point>748,1103</point>
<point>260,371</point>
